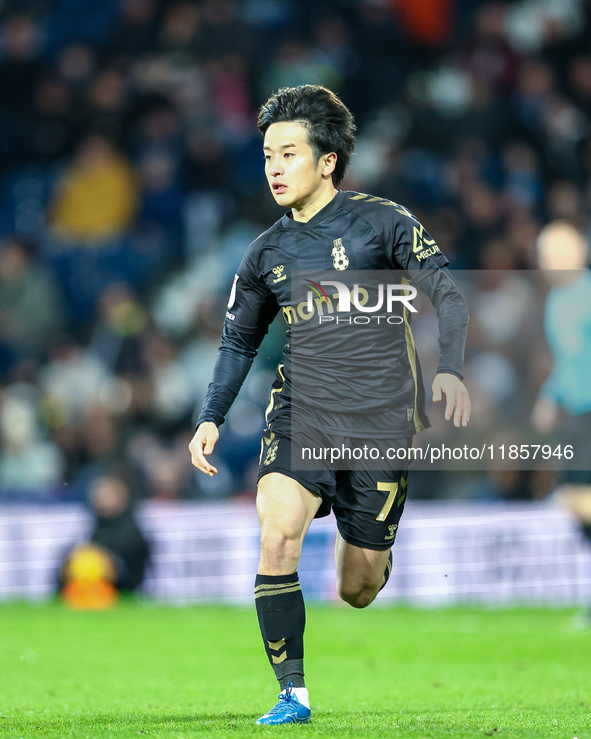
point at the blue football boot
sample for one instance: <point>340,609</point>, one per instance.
<point>287,711</point>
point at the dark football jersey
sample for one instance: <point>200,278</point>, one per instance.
<point>340,388</point>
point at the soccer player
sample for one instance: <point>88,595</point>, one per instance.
<point>308,142</point>
<point>563,254</point>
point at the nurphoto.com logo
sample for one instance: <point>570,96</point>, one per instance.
<point>385,298</point>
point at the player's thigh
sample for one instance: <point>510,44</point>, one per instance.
<point>359,568</point>
<point>285,507</point>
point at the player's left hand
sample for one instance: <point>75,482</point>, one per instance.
<point>456,396</point>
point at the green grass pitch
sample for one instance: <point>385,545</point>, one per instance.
<point>384,672</point>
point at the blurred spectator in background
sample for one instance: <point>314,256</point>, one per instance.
<point>21,65</point>
<point>115,557</point>
<point>30,305</point>
<point>563,254</point>
<point>20,69</point>
<point>53,127</point>
<point>31,467</point>
<point>97,198</point>
<point>74,379</point>
<point>116,337</point>
<point>135,33</point>
<point>116,528</point>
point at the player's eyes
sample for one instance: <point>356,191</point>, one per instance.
<point>268,157</point>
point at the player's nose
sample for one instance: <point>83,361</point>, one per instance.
<point>275,167</point>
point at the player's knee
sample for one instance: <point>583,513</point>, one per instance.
<point>279,545</point>
<point>359,597</point>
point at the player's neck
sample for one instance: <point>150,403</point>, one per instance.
<point>304,211</point>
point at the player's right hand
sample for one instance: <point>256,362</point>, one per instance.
<point>202,444</point>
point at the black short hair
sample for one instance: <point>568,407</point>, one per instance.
<point>329,122</point>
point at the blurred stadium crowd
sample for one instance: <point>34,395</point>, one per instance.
<point>132,183</point>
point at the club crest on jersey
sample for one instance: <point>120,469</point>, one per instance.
<point>340,260</point>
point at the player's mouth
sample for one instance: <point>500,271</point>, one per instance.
<point>279,188</point>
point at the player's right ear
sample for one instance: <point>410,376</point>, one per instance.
<point>330,162</point>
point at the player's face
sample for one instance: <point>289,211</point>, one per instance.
<point>293,174</point>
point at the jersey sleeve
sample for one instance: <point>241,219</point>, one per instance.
<point>412,247</point>
<point>452,311</point>
<point>251,306</point>
<point>233,364</point>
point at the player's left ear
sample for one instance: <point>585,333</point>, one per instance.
<point>329,162</point>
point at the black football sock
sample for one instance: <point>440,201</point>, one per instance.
<point>282,618</point>
<point>388,570</point>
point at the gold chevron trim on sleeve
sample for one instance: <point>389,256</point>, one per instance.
<point>399,208</point>
<point>280,659</point>
<point>358,197</point>
<point>264,593</point>
<point>276,645</point>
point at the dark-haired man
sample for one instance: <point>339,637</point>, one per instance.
<point>308,142</point>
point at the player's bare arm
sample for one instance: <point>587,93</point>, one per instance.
<point>202,445</point>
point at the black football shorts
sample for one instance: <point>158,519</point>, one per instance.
<point>367,504</point>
